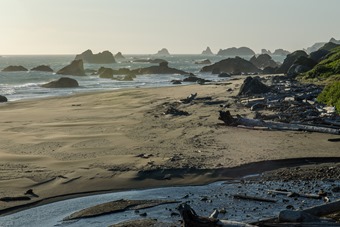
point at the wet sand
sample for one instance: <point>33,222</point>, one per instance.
<point>123,140</point>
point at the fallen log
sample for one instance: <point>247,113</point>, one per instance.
<point>255,198</point>
<point>295,194</point>
<point>191,219</point>
<point>229,120</point>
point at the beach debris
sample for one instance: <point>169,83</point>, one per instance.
<point>30,192</point>
<point>116,206</point>
<point>176,112</point>
<point>15,198</point>
<point>229,120</point>
<point>295,194</point>
<point>145,222</point>
<point>254,198</point>
<point>189,98</point>
<point>191,219</point>
<point>146,156</point>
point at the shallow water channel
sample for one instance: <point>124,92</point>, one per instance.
<point>203,199</point>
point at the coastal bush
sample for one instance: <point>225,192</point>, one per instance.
<point>331,95</point>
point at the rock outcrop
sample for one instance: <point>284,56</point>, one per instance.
<point>105,57</point>
<point>42,68</point>
<point>63,82</point>
<point>162,68</point>
<point>163,52</point>
<point>109,73</point>
<point>119,57</point>
<point>262,61</point>
<point>3,98</point>
<point>15,68</point>
<point>242,51</point>
<point>203,62</point>
<point>264,51</point>
<point>231,65</point>
<point>289,61</point>
<point>76,68</point>
<point>301,65</point>
<point>207,51</point>
<point>253,86</point>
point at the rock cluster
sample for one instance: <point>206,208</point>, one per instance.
<point>105,57</point>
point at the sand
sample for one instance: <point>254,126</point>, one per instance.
<point>90,142</point>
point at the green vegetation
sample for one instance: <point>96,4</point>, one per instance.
<point>331,95</point>
<point>327,70</point>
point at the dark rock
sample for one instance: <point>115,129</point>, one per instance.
<point>3,98</point>
<point>216,71</point>
<point>162,68</point>
<point>301,65</point>
<point>232,65</point>
<point>42,68</point>
<point>157,60</point>
<point>203,62</point>
<point>175,112</point>
<point>105,57</point>
<point>14,68</point>
<point>176,82</point>
<point>224,75</point>
<point>207,51</point>
<point>119,57</point>
<point>253,86</point>
<point>263,60</point>
<point>269,70</point>
<point>63,82</point>
<point>76,68</point>
<point>289,61</point>
<point>163,52</point>
<point>329,46</point>
<point>105,73</point>
<point>242,51</point>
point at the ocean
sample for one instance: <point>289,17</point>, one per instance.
<point>26,85</point>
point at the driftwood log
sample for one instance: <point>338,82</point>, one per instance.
<point>191,219</point>
<point>229,120</point>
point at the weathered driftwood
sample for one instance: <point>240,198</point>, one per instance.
<point>255,198</point>
<point>189,98</point>
<point>226,117</point>
<point>324,209</point>
<point>295,194</point>
<point>330,122</point>
<point>191,219</point>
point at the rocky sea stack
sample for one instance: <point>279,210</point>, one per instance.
<point>163,52</point>
<point>76,68</point>
<point>231,65</point>
<point>207,51</point>
<point>42,68</point>
<point>15,68</point>
<point>242,51</point>
<point>63,82</point>
<point>105,57</point>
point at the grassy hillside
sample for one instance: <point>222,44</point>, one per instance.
<point>331,95</point>
<point>327,70</point>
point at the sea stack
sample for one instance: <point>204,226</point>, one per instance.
<point>63,82</point>
<point>76,68</point>
<point>105,57</point>
<point>207,51</point>
<point>163,52</point>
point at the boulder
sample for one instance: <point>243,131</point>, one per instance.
<point>162,68</point>
<point>14,68</point>
<point>76,68</point>
<point>63,82</point>
<point>207,51</point>
<point>253,86</point>
<point>106,73</point>
<point>42,68</point>
<point>235,65</point>
<point>163,52</point>
<point>289,61</point>
<point>105,57</point>
<point>262,61</point>
<point>242,51</point>
<point>203,62</point>
<point>3,98</point>
<point>119,57</point>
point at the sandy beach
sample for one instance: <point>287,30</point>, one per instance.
<point>123,140</point>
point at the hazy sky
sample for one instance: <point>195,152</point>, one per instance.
<point>145,26</point>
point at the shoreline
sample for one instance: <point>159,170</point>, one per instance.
<point>102,140</point>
